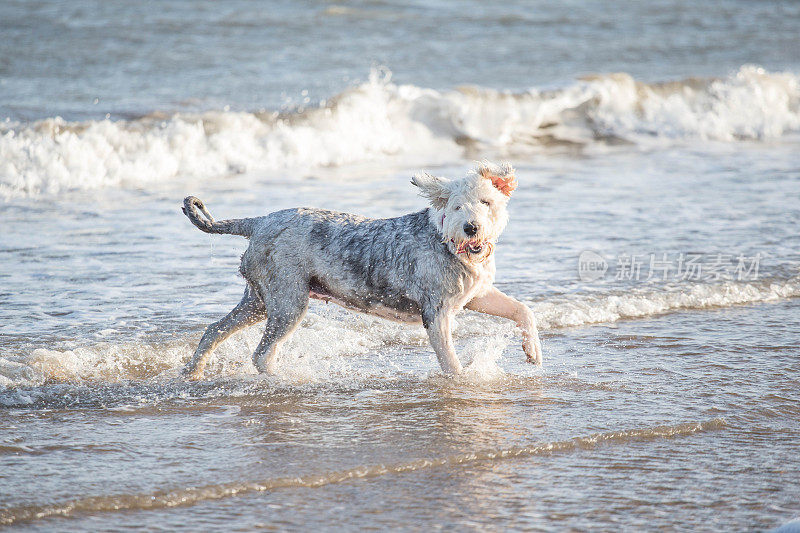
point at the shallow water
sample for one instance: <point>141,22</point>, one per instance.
<point>668,398</point>
<point>649,423</point>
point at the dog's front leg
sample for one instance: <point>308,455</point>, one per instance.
<point>496,303</point>
<point>438,324</point>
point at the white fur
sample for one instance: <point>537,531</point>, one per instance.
<point>472,199</point>
<point>393,268</point>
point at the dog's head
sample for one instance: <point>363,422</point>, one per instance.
<point>470,213</point>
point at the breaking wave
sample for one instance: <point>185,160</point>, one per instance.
<point>379,119</point>
<point>356,347</point>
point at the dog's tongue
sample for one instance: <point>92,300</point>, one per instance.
<point>462,247</point>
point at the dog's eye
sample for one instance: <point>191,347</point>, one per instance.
<point>457,208</point>
<point>486,202</point>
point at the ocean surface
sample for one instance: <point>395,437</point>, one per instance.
<point>654,233</point>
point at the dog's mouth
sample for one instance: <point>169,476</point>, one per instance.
<point>472,247</point>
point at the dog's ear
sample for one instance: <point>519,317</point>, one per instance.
<point>437,190</point>
<point>501,176</point>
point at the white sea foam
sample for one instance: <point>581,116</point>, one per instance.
<point>584,310</point>
<point>335,345</point>
<point>380,119</point>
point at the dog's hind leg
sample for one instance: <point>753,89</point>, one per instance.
<point>286,305</point>
<point>249,311</point>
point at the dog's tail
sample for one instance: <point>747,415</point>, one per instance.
<point>237,226</point>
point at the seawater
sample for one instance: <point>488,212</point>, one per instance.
<point>668,398</point>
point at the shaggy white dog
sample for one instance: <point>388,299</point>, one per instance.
<point>421,267</point>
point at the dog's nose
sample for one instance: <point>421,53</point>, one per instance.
<point>470,229</point>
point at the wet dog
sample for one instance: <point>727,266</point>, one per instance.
<point>419,268</point>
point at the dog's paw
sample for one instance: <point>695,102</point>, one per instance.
<point>192,374</point>
<point>533,351</point>
<point>533,360</point>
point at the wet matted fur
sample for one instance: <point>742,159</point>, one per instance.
<point>421,267</point>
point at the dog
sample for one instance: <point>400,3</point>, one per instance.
<point>422,267</point>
